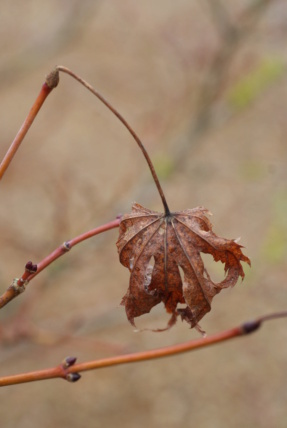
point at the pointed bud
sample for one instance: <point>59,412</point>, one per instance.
<point>250,326</point>
<point>29,267</point>
<point>69,361</point>
<point>73,377</point>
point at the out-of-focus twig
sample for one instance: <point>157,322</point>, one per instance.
<point>232,36</point>
<point>65,29</point>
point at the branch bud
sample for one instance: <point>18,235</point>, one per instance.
<point>250,326</point>
<point>30,267</point>
<point>73,377</point>
<point>52,79</point>
<point>69,361</point>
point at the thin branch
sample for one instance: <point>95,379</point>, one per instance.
<point>68,245</point>
<point>68,370</point>
<point>221,18</point>
<point>51,82</point>
<point>18,284</point>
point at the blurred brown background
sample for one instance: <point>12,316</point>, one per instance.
<point>205,88</point>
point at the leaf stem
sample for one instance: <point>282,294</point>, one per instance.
<point>129,128</point>
<point>51,82</point>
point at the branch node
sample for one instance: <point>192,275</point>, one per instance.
<point>66,246</point>
<point>17,287</point>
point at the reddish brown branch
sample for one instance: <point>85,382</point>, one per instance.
<point>51,82</point>
<point>70,371</point>
<point>68,245</point>
<point>18,284</point>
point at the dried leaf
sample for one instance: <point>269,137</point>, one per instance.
<point>157,247</point>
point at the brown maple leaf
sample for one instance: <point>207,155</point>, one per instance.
<point>156,247</point>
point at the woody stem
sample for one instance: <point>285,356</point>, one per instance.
<point>65,371</point>
<point>50,83</point>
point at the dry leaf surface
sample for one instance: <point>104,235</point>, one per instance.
<point>162,253</point>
